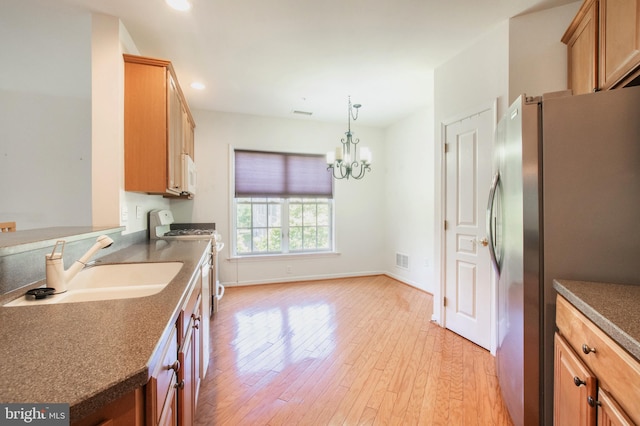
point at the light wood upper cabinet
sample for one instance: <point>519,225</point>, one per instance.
<point>619,40</point>
<point>581,39</point>
<point>603,45</point>
<point>158,127</point>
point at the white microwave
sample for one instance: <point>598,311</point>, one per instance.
<point>188,174</point>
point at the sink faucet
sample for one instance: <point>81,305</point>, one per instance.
<point>56,277</point>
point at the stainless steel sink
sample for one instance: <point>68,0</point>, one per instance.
<point>113,281</point>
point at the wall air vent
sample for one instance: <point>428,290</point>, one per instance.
<point>302,112</point>
<point>402,261</point>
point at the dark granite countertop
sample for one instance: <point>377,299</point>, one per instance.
<point>88,354</point>
<point>615,308</point>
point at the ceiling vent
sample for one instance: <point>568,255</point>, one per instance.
<point>302,112</point>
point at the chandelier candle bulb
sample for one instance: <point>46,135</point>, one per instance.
<point>331,157</point>
<point>365,155</point>
<point>339,153</point>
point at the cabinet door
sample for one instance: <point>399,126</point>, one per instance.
<point>573,385</point>
<point>145,127</point>
<point>185,380</point>
<point>205,310</point>
<point>582,48</point>
<point>176,136</point>
<point>169,415</point>
<point>161,402</point>
<point>619,40</point>
<point>187,134</point>
<point>126,410</point>
<point>609,412</point>
<point>197,352</point>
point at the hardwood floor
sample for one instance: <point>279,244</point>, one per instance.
<point>343,352</point>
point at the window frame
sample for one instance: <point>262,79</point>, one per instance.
<point>285,225</point>
<point>284,203</point>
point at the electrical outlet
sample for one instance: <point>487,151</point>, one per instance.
<point>289,270</point>
<point>138,212</point>
<point>124,214</point>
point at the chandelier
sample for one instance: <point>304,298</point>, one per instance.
<point>345,162</point>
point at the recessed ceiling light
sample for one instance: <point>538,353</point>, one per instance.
<point>197,85</point>
<point>181,5</point>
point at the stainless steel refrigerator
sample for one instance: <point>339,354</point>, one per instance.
<point>565,203</point>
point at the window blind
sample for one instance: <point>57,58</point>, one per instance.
<point>284,175</point>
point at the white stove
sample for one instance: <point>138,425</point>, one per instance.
<point>163,227</point>
<point>192,233</point>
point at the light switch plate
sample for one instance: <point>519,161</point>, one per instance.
<point>138,212</point>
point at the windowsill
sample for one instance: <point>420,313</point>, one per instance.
<point>287,256</point>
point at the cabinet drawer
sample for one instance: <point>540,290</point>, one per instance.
<point>186,312</point>
<point>164,375</point>
<point>618,372</point>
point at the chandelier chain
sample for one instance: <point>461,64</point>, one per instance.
<point>344,163</point>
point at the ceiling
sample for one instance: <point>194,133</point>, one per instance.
<point>273,57</point>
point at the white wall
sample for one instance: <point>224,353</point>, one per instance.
<point>408,200</point>
<point>107,135</point>
<point>537,57</point>
<point>110,40</point>
<point>473,79</point>
<point>359,215</point>
<point>45,115</point>
<point>61,118</point>
<point>523,54</point>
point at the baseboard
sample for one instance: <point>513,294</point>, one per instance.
<point>324,277</point>
<point>300,278</point>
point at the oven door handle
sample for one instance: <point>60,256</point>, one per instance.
<point>219,291</point>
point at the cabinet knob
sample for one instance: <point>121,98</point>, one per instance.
<point>180,385</point>
<point>175,366</point>
<point>578,382</point>
<point>592,402</point>
<point>587,350</point>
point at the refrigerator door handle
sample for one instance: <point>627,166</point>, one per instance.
<point>490,221</point>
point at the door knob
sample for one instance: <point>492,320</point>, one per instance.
<point>484,241</point>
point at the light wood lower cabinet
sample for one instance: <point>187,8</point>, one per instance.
<point>609,412</point>
<point>171,395</point>
<point>606,378</point>
<point>128,410</point>
<point>190,354</point>
<point>574,384</point>
<point>161,390</point>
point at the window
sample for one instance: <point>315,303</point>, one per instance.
<point>283,203</point>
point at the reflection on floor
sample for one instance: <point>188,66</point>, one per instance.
<point>346,351</point>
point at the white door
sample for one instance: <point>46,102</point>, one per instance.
<point>468,155</point>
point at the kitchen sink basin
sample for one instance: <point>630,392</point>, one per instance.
<point>113,281</point>
<point>125,275</point>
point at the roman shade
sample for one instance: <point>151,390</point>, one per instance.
<point>284,175</point>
